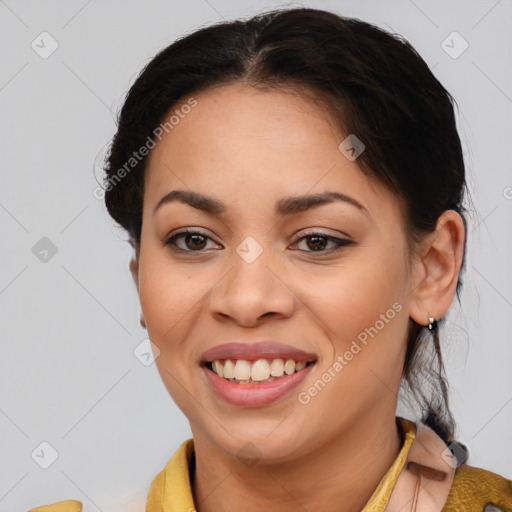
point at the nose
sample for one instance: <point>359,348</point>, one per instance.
<point>250,291</point>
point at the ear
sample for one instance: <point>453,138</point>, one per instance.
<point>134,270</point>
<point>436,273</point>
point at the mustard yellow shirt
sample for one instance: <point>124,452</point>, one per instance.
<point>472,488</point>
<point>171,490</point>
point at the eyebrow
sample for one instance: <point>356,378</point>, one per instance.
<point>285,206</point>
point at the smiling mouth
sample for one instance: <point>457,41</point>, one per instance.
<point>259,371</point>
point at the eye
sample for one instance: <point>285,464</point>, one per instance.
<point>317,242</point>
<point>194,241</point>
<point>191,240</point>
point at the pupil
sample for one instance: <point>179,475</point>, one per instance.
<point>195,239</point>
<point>316,246</point>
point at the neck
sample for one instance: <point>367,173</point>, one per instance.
<point>340,476</point>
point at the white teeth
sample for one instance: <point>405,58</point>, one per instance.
<point>289,366</point>
<point>300,366</point>
<point>229,368</point>
<point>259,370</point>
<point>242,369</point>
<point>218,368</point>
<point>277,368</point>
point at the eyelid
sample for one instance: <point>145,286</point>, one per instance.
<point>171,238</point>
<point>339,241</point>
<point>184,231</point>
<point>322,232</point>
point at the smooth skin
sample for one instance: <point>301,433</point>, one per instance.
<point>249,148</point>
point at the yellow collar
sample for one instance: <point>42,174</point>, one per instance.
<point>380,497</point>
<point>171,489</point>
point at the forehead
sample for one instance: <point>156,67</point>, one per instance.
<point>271,143</point>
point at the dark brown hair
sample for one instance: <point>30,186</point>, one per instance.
<point>376,86</point>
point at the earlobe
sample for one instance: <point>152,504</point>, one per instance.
<point>134,270</point>
<point>438,271</point>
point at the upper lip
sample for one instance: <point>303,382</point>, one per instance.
<point>253,351</point>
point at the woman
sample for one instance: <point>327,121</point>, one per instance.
<point>293,189</point>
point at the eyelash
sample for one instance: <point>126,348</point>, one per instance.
<point>339,242</point>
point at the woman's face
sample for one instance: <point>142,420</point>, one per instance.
<point>253,275</point>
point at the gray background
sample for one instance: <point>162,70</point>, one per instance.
<point>70,324</point>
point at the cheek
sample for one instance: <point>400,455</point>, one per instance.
<point>170,299</point>
<point>168,293</point>
<point>365,321</point>
<point>356,295</point>
<point>361,307</point>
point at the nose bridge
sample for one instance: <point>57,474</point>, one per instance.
<point>251,289</point>
<point>251,263</point>
<point>250,278</point>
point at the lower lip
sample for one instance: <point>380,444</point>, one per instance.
<point>255,395</point>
